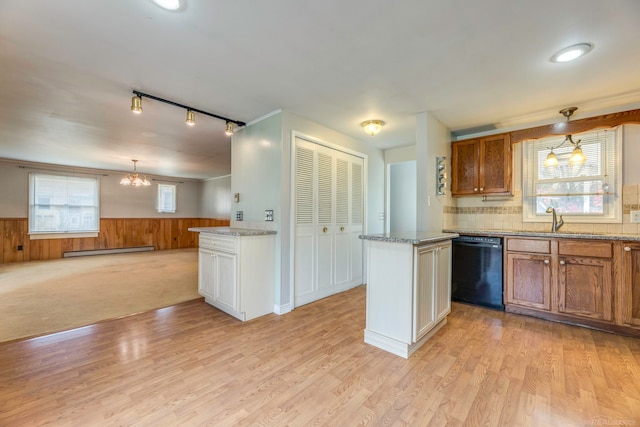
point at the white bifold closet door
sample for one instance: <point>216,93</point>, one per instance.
<point>328,220</point>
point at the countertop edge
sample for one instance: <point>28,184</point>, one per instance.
<point>229,231</point>
<point>543,234</point>
<point>417,241</point>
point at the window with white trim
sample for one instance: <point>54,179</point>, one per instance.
<point>166,198</point>
<point>587,193</point>
<point>63,204</point>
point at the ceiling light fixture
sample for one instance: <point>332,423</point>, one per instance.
<point>134,179</point>
<point>572,52</point>
<point>136,107</point>
<point>136,104</point>
<point>372,127</point>
<point>229,130</point>
<point>577,156</point>
<point>168,4</point>
<point>191,118</point>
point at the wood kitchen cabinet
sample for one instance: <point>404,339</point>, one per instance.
<point>571,280</point>
<point>628,301</point>
<point>528,273</point>
<point>481,166</point>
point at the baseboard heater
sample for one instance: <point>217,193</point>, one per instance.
<point>109,251</point>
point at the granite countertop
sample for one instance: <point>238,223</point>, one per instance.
<point>231,231</point>
<point>410,237</point>
<point>547,234</point>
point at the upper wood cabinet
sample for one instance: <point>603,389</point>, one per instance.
<point>481,166</point>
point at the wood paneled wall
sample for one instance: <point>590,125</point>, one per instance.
<point>114,233</point>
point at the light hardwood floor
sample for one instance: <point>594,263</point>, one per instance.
<point>194,365</point>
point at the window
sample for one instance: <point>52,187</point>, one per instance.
<point>582,193</point>
<point>63,204</point>
<point>166,198</point>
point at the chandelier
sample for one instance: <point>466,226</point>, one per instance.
<point>134,179</point>
<point>577,156</point>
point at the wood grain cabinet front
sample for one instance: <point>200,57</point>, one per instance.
<point>628,290</point>
<point>481,166</point>
<point>528,280</point>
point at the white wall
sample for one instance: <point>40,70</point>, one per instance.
<point>116,201</point>
<point>433,140</point>
<point>216,197</point>
<point>402,196</point>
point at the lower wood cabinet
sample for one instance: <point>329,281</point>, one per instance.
<point>528,280</point>
<point>628,292</point>
<point>585,282</point>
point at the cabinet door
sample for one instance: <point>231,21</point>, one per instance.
<point>464,167</point>
<point>528,281</point>
<point>443,281</point>
<point>629,300</point>
<point>206,273</point>
<point>495,164</point>
<point>585,287</point>
<point>424,304</point>
<point>226,281</point>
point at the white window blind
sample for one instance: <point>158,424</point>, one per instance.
<point>590,192</point>
<point>63,204</point>
<point>166,198</point>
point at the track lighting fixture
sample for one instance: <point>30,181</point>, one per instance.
<point>136,107</point>
<point>134,179</point>
<point>229,130</point>
<point>191,118</point>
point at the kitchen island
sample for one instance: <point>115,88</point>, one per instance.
<point>236,270</point>
<point>408,288</point>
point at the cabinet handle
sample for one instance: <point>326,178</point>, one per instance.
<point>481,189</point>
<point>546,261</point>
<point>562,262</point>
<point>341,228</point>
<point>475,189</point>
<point>324,229</point>
<point>627,249</point>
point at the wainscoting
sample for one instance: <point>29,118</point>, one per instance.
<point>114,233</point>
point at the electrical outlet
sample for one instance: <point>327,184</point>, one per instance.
<point>635,216</point>
<point>239,215</point>
<point>268,215</point>
<point>19,247</point>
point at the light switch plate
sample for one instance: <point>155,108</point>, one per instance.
<point>635,216</point>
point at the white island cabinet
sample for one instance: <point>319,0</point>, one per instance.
<point>236,270</point>
<point>408,289</point>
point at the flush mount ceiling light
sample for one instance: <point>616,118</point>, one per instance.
<point>372,127</point>
<point>134,179</point>
<point>168,4</point>
<point>572,52</point>
<point>577,156</point>
<point>136,107</point>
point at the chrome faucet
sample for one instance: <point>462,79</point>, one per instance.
<point>555,224</point>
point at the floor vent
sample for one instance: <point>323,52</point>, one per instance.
<point>108,251</point>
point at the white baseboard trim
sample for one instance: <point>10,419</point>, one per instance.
<point>396,347</point>
<point>282,309</point>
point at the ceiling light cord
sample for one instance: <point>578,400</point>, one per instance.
<point>136,107</point>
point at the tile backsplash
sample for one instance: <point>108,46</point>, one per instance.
<point>506,214</point>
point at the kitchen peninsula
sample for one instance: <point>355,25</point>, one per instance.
<point>236,270</point>
<point>408,288</point>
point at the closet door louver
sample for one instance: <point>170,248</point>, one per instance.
<point>304,186</point>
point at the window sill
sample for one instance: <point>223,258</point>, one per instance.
<point>42,236</point>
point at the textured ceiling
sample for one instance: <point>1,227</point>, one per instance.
<point>68,68</point>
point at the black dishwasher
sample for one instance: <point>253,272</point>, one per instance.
<point>476,274</point>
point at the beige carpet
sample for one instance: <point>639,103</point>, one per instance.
<point>41,297</point>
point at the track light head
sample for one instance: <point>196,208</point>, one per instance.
<point>191,118</point>
<point>136,104</point>
<point>229,130</point>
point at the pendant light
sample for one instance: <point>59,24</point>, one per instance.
<point>134,179</point>
<point>577,156</point>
